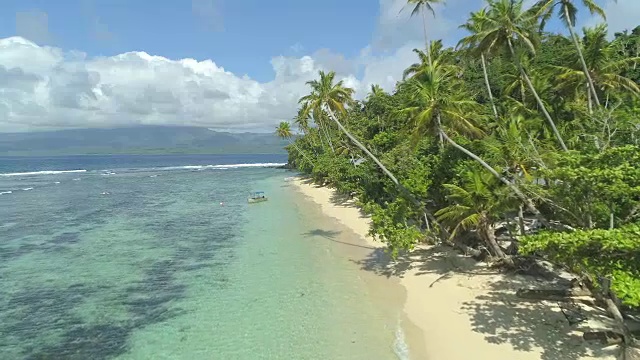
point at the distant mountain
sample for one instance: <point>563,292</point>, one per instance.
<point>139,140</point>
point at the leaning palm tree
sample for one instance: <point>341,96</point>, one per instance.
<point>329,99</point>
<point>283,131</point>
<point>474,26</point>
<point>603,64</point>
<point>509,27</point>
<point>475,205</point>
<point>440,105</point>
<point>420,6</point>
<point>567,13</point>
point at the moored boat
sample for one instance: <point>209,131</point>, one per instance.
<point>257,196</point>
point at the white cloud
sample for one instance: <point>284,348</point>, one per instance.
<point>43,87</point>
<point>621,15</point>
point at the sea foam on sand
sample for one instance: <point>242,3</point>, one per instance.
<point>464,309</point>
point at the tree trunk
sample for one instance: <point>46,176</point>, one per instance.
<point>300,151</point>
<point>426,39</point>
<point>527,202</point>
<point>537,97</point>
<point>486,82</point>
<point>326,134</point>
<point>576,43</point>
<point>521,220</point>
<point>390,175</point>
<point>490,239</point>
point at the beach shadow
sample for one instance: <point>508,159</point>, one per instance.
<point>504,318</point>
<point>496,312</point>
<point>438,260</point>
<point>331,236</point>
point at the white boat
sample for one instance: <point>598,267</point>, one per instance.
<point>256,197</point>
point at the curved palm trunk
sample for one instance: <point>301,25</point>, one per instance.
<point>576,43</point>
<point>486,82</point>
<point>527,202</point>
<point>487,233</point>
<point>537,97</point>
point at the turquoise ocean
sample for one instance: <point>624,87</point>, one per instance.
<point>161,257</point>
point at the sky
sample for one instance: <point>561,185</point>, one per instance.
<point>230,65</point>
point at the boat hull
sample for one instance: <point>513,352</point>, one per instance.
<point>257,200</point>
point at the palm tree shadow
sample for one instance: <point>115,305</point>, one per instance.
<point>496,311</point>
<point>504,318</point>
<point>331,236</point>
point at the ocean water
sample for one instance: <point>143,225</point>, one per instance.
<point>161,257</point>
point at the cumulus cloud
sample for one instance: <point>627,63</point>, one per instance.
<point>45,87</point>
<point>621,15</point>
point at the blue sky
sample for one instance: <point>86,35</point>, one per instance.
<point>105,63</point>
<point>242,36</point>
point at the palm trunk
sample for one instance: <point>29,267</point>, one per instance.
<point>486,82</point>
<point>489,238</point>
<point>574,37</point>
<point>527,202</point>
<point>326,134</point>
<point>521,220</point>
<point>300,151</point>
<point>388,173</point>
<point>537,97</point>
<point>426,39</point>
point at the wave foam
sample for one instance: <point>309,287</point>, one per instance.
<point>6,192</point>
<point>222,167</point>
<point>400,347</point>
<point>48,172</point>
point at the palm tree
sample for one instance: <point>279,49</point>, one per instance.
<point>283,131</point>
<point>507,26</point>
<point>474,26</point>
<point>474,205</point>
<point>440,104</point>
<point>328,98</point>
<point>420,6</point>
<point>602,64</point>
<point>425,58</point>
<point>567,13</point>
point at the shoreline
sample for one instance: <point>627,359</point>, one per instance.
<point>458,308</point>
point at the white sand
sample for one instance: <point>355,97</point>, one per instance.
<point>463,309</point>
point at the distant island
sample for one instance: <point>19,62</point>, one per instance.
<point>140,140</point>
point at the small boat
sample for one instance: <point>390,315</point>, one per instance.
<point>256,197</point>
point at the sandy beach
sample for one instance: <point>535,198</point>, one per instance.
<point>460,308</point>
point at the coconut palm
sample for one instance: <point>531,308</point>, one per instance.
<point>474,26</point>
<point>567,13</point>
<point>421,6</point>
<point>283,131</point>
<point>474,206</point>
<point>328,99</point>
<point>425,58</point>
<point>508,26</point>
<point>440,105</point>
<point>603,65</point>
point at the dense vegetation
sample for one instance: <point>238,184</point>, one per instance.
<point>514,130</point>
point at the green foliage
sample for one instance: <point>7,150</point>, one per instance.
<point>596,253</point>
<point>473,166</point>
